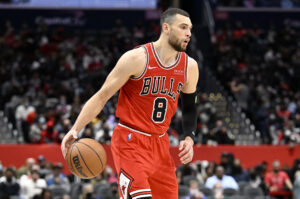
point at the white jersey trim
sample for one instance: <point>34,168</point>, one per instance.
<point>138,191</point>
<point>137,131</point>
<point>171,66</point>
<point>142,196</point>
<point>145,68</point>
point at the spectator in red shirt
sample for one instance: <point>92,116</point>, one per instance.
<point>277,180</point>
<point>49,135</point>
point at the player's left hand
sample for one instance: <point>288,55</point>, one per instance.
<point>187,150</point>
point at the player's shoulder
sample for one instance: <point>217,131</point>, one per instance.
<point>192,62</point>
<point>133,61</point>
<point>136,53</point>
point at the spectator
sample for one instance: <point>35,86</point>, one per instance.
<point>105,138</point>
<point>23,114</point>
<point>1,170</point>
<point>113,191</point>
<point>26,180</point>
<point>88,133</point>
<point>87,192</point>
<point>58,178</point>
<point>194,191</point>
<point>36,130</point>
<point>226,161</point>
<point>255,180</point>
<point>241,93</point>
<point>187,170</point>
<point>24,170</point>
<point>33,186</point>
<point>49,135</point>
<point>210,170</point>
<point>221,134</point>
<point>46,194</point>
<point>44,171</point>
<point>277,180</point>
<point>9,185</point>
<point>297,185</point>
<point>219,181</point>
<point>238,173</point>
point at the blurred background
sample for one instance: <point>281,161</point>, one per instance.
<point>55,54</point>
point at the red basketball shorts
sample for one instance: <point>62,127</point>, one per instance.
<point>144,164</point>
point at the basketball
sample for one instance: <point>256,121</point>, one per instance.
<point>86,158</point>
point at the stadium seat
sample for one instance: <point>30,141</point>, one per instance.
<point>206,191</point>
<point>186,179</point>
<point>102,190</point>
<point>75,190</point>
<point>242,186</point>
<point>183,191</point>
<point>58,192</point>
<point>237,197</point>
<point>251,192</point>
<point>229,192</point>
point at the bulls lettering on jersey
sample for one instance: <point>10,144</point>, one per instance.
<point>148,102</point>
<point>152,84</point>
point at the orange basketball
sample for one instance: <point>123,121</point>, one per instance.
<point>86,158</point>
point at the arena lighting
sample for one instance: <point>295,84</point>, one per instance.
<point>80,4</point>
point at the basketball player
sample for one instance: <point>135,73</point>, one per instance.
<point>150,79</point>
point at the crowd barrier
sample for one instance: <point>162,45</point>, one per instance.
<point>250,156</point>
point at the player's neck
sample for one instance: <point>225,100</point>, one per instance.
<point>166,53</point>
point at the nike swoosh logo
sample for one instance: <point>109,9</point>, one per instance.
<point>151,67</point>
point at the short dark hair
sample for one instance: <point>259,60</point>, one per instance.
<point>166,16</point>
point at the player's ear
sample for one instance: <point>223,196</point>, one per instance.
<point>166,28</point>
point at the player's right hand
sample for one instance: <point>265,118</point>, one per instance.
<point>67,141</point>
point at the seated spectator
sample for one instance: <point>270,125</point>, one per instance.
<point>238,173</point>
<point>26,180</point>
<point>219,181</point>
<point>33,186</point>
<point>277,180</point>
<point>113,191</point>
<point>57,177</point>
<point>210,170</point>
<point>187,170</point>
<point>1,170</point>
<point>44,171</point>
<point>36,129</point>
<point>9,185</point>
<point>49,135</point>
<point>194,191</point>
<point>241,93</point>
<point>22,115</point>
<point>24,170</point>
<point>297,185</point>
<point>222,136</point>
<point>226,161</point>
<point>46,194</point>
<point>87,192</point>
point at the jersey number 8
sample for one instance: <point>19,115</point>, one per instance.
<point>159,109</point>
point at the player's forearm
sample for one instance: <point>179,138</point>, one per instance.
<point>89,111</point>
<point>189,115</point>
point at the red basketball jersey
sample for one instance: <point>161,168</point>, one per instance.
<point>148,102</point>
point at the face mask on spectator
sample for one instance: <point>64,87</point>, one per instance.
<point>252,176</point>
<point>9,179</point>
<point>276,170</point>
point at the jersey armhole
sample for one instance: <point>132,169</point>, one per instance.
<point>145,67</point>
<point>186,68</point>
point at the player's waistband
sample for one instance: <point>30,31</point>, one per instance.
<point>140,132</point>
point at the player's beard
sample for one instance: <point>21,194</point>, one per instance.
<point>176,43</point>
